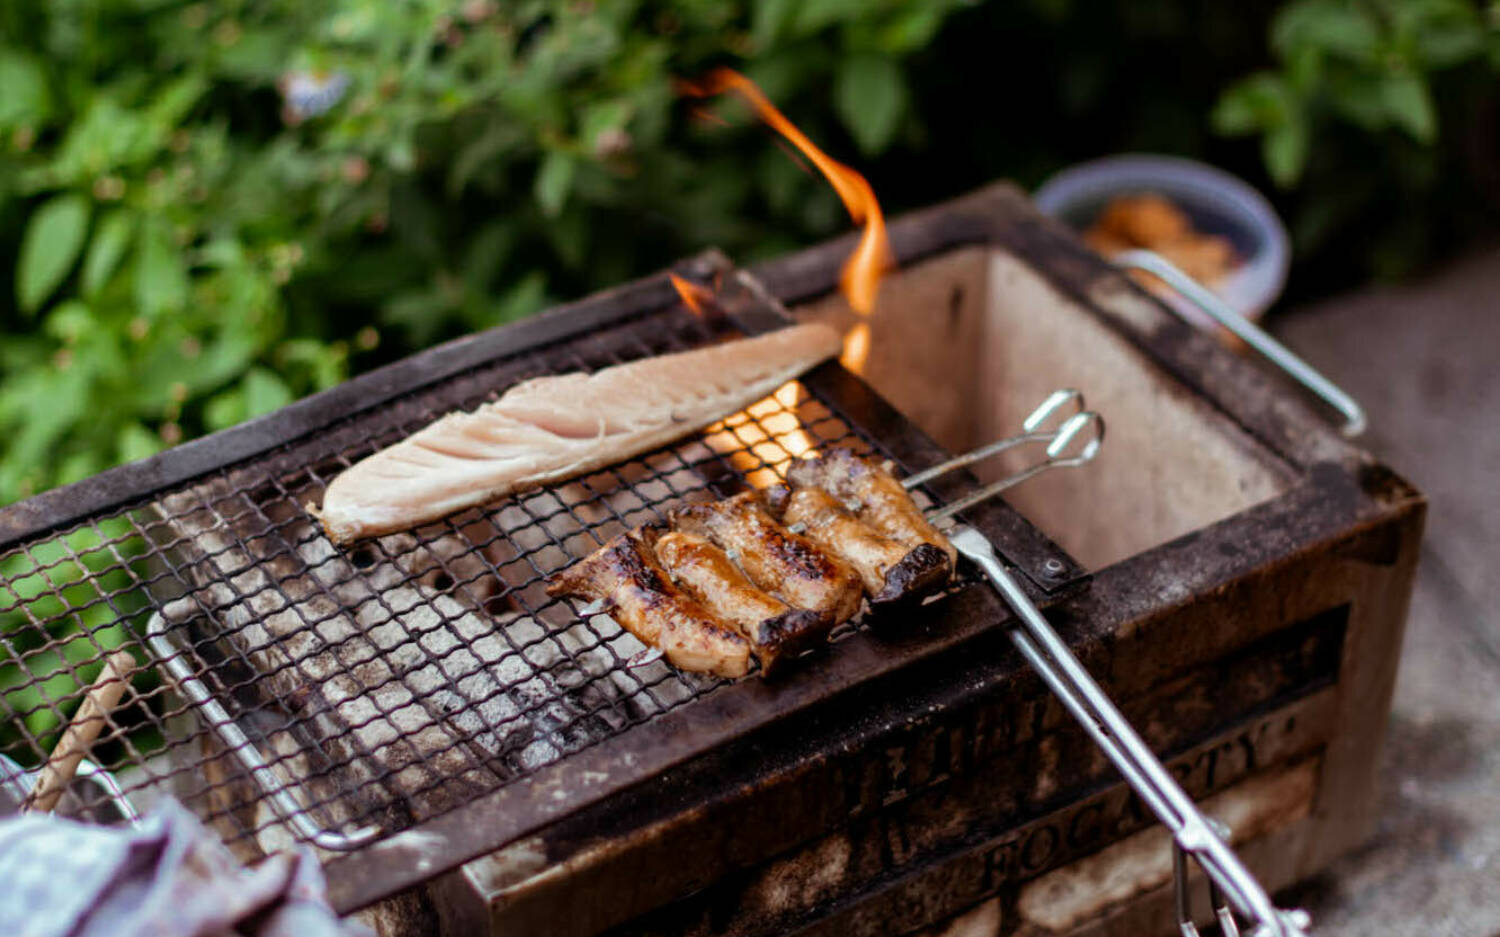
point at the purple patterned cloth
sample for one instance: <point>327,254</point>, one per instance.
<point>171,877</point>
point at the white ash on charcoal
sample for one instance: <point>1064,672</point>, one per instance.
<point>409,676</point>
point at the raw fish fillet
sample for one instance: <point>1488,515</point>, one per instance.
<point>551,428</point>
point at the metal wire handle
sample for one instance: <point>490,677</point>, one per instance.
<point>1355,421</point>
<point>233,738</point>
<point>1084,428</point>
<point>1223,913</point>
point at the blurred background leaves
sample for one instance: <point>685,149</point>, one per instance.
<point>210,209</point>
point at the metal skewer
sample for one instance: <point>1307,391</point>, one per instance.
<point>1193,833</point>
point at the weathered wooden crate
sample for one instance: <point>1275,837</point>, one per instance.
<point>471,754</point>
<point>1250,573</point>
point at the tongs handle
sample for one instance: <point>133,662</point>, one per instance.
<point>1065,675</point>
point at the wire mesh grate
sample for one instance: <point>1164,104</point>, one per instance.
<point>386,683</point>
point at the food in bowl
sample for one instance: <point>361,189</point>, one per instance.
<point>1151,221</point>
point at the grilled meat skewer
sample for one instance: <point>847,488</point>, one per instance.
<point>731,579</point>
<point>785,564</point>
<point>891,571</point>
<point>706,573</point>
<point>876,496</point>
<point>626,573</point>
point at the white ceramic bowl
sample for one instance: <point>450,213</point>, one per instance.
<point>1217,202</point>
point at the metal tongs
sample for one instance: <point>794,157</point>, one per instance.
<point>1194,834</point>
<point>1059,441</point>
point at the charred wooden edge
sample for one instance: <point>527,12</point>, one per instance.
<point>786,636</point>
<point>918,575</point>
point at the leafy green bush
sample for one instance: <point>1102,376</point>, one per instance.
<point>1366,64</point>
<point>205,202</point>
<point>1355,112</point>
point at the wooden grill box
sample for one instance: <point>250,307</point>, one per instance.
<point>1251,572</point>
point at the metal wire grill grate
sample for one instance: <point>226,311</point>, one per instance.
<point>387,683</point>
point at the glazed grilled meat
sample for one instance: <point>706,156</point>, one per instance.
<point>625,573</point>
<point>729,579</point>
<point>705,572</point>
<point>778,561</point>
<point>878,498</point>
<point>891,570</point>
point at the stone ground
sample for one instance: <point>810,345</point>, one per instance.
<point>1422,358</point>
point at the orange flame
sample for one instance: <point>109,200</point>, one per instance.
<point>695,297</point>
<point>856,348</point>
<point>763,439</point>
<point>860,280</point>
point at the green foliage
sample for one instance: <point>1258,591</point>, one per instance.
<point>58,628</point>
<point>1372,104</point>
<point>870,96</point>
<point>1368,63</point>
<point>53,239</point>
<point>206,204</point>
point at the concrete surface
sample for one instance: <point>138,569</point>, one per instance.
<point>1422,358</point>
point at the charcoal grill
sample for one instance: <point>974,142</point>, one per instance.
<point>418,705</point>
